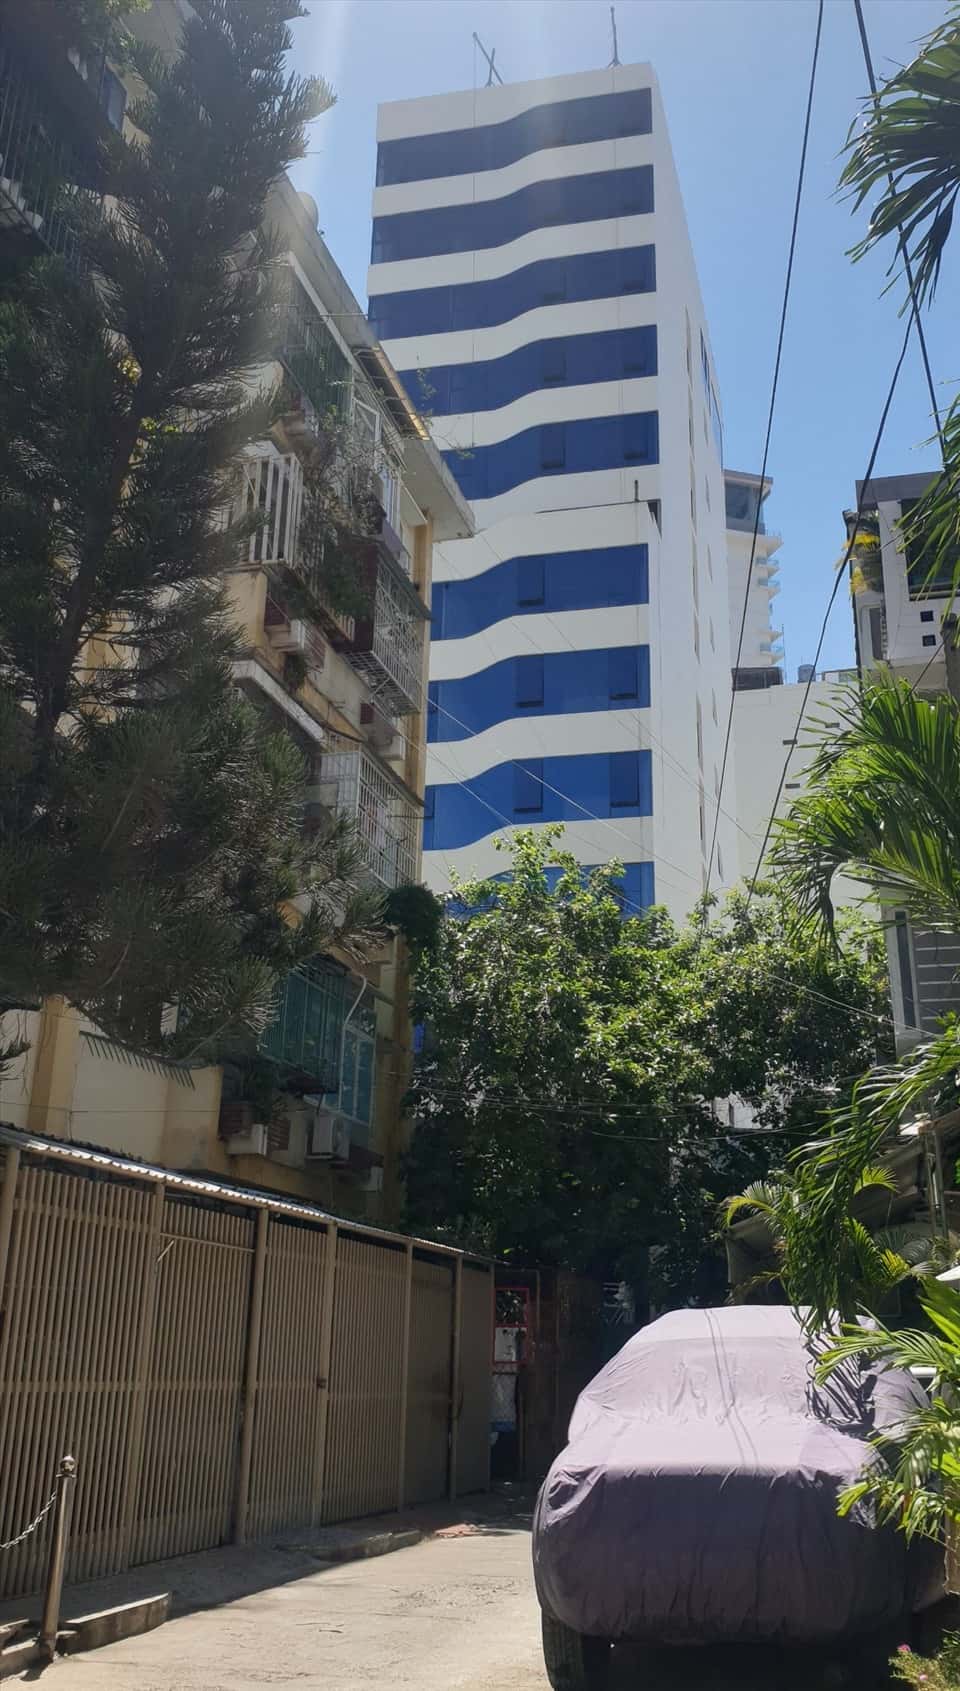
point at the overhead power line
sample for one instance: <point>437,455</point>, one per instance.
<point>901,238</point>
<point>841,575</point>
<point>791,253</point>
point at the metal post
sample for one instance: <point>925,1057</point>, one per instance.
<point>318,1509</point>
<point>50,1622</point>
<point>405,1381</point>
<point>8,1193</point>
<point>456,1370</point>
<point>145,1340</point>
<point>251,1377</point>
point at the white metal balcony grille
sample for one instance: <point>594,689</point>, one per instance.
<point>273,491</point>
<point>387,821</point>
<point>392,665</point>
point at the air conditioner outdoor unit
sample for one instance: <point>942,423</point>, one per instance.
<point>252,1143</point>
<point>289,636</point>
<point>373,1181</point>
<point>384,729</point>
<point>328,1137</point>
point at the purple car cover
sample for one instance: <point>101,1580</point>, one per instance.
<point>696,1499</point>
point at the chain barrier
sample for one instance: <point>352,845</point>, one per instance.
<point>34,1524</point>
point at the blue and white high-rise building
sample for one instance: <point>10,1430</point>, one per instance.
<point>532,279</point>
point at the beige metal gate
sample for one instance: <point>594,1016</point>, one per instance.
<point>429,1381</point>
<point>186,1487</point>
<point>286,1468</point>
<point>68,1362</point>
<point>221,1363</point>
<point>473,1397</point>
<point>366,1379</point>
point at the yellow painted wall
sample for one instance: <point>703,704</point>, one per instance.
<point>17,1077</point>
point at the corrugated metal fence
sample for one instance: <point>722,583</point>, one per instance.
<point>221,1366</point>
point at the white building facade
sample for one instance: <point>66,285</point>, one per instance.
<point>533,282</point>
<point>760,659</point>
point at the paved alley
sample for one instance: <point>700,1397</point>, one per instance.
<point>451,1614</point>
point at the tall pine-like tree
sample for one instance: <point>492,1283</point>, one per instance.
<point>150,818</point>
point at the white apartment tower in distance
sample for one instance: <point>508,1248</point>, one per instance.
<point>532,280</point>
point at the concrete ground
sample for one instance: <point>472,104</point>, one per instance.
<point>453,1613</point>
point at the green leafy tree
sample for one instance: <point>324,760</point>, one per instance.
<point>866,1266</point>
<point>150,823</point>
<point>882,806</point>
<point>904,161</point>
<point>565,1094</point>
<point>915,1481</point>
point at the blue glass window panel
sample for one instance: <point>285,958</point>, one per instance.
<point>553,364</point>
<point>551,684</point>
<point>492,223</point>
<point>591,443</point>
<point>553,446</point>
<point>640,444</point>
<point>469,811</point>
<point>531,584</point>
<point>562,581</point>
<point>564,361</point>
<point>624,672</point>
<point>490,146</point>
<point>528,681</point>
<point>528,787</point>
<point>484,305</point>
<point>636,887</point>
<point>624,780</point>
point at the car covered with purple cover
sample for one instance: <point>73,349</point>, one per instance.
<point>696,1499</point>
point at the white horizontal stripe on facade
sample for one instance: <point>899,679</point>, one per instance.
<point>557,240</point>
<point>558,493</point>
<point>517,637</point>
<point>545,405</point>
<point>431,114</point>
<point>544,323</point>
<point>518,738</point>
<point>630,838</point>
<point>533,534</point>
<point>622,152</point>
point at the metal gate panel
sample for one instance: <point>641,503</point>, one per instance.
<point>288,1424</point>
<point>186,1486</point>
<point>79,1255</point>
<point>428,1382</point>
<point>473,1398</point>
<point>364,1428</point>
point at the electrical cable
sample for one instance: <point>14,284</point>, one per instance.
<point>841,574</point>
<point>640,719</point>
<point>901,239</point>
<point>766,444</point>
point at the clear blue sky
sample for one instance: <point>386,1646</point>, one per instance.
<point>734,76</point>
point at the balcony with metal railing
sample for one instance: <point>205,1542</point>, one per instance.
<point>272,495</point>
<point>388,821</point>
<point>387,647</point>
<point>46,173</point>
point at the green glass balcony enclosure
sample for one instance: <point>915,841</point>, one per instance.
<point>306,1038</point>
<point>311,355</point>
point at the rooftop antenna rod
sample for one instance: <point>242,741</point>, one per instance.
<point>613,31</point>
<point>493,71</point>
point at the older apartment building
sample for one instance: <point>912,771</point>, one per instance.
<point>349,689</point>
<point>898,610</point>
